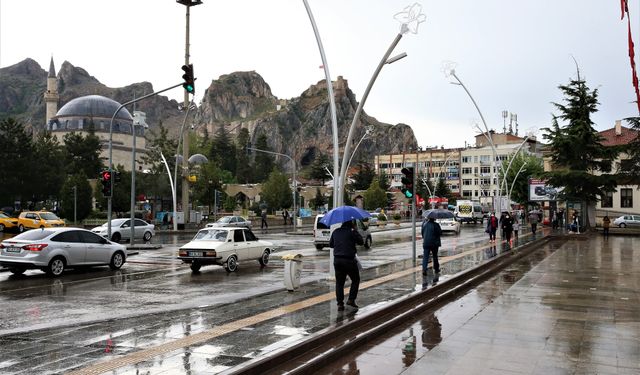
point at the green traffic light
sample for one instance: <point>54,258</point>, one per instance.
<point>189,88</point>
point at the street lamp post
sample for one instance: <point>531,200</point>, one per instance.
<point>138,120</point>
<point>366,133</point>
<point>175,168</point>
<point>295,183</point>
<point>515,178</point>
<point>504,182</point>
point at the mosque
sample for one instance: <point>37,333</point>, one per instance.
<point>79,114</point>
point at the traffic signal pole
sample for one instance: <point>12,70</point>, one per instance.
<point>413,214</point>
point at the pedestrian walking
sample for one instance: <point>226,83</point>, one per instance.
<point>507,227</point>
<point>431,232</point>
<point>285,216</point>
<point>606,223</point>
<point>500,225</point>
<point>516,225</point>
<point>554,220</point>
<point>263,223</point>
<point>492,227</point>
<point>343,241</point>
<point>533,221</point>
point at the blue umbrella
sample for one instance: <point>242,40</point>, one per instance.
<point>343,213</point>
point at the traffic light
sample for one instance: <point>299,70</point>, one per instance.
<point>105,179</point>
<point>116,176</point>
<point>189,81</point>
<point>407,182</point>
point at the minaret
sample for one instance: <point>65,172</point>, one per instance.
<point>51,96</point>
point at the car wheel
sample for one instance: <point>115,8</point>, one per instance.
<point>319,247</point>
<point>367,243</point>
<point>17,271</point>
<point>117,260</point>
<point>56,267</point>
<point>1,227</point>
<point>264,259</point>
<point>20,228</point>
<point>115,237</point>
<point>147,236</point>
<point>623,225</point>
<point>195,266</point>
<point>232,264</point>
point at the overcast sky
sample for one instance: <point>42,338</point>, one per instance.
<point>512,55</point>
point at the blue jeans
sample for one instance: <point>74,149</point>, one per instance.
<point>433,250</point>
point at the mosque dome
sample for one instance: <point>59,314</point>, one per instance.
<point>93,106</point>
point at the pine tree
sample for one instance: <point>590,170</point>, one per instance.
<point>581,164</point>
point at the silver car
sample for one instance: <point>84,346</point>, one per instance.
<point>121,229</point>
<point>54,249</point>
<point>230,221</point>
<point>627,221</point>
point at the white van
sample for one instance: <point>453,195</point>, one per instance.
<point>322,233</point>
<point>468,211</point>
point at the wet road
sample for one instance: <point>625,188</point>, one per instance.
<point>159,282</point>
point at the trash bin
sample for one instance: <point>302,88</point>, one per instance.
<point>292,271</point>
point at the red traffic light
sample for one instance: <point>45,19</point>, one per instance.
<point>106,176</point>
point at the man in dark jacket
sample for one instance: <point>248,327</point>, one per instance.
<point>343,241</point>
<point>431,232</point>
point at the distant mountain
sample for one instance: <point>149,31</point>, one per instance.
<point>300,126</point>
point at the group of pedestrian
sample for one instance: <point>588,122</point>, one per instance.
<point>508,223</point>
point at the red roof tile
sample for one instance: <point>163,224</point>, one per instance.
<point>626,136</point>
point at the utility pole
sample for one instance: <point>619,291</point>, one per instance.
<point>185,145</point>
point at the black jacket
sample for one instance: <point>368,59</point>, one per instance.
<point>343,241</point>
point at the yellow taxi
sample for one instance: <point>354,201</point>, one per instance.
<point>38,219</point>
<point>7,222</point>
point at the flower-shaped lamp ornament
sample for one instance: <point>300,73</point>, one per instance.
<point>410,18</point>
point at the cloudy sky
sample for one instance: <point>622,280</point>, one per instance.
<point>512,55</point>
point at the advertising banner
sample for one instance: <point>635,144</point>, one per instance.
<point>539,191</point>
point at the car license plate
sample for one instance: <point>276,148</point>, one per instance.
<point>12,249</point>
<point>195,253</point>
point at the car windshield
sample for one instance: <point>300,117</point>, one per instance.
<point>225,220</point>
<point>320,224</point>
<point>49,216</point>
<point>3,216</point>
<point>34,235</point>
<point>211,235</point>
<point>114,223</point>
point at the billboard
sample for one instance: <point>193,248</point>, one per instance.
<point>539,191</point>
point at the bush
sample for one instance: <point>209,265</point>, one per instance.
<point>397,217</point>
<point>382,217</point>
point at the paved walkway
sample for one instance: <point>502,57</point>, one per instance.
<point>576,312</point>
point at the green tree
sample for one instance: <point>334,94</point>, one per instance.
<point>383,181</point>
<point>520,189</point>
<point>244,172</point>
<point>442,189</point>
<point>50,166</point>
<point>156,183</point>
<point>422,189</point>
<point>16,162</point>
<point>264,162</point>
<point>82,153</point>
<point>318,168</point>
<point>363,178</point>
<point>580,162</point>
<point>82,199</point>
<point>276,191</point>
<point>374,196</point>
<point>223,151</point>
<point>319,200</point>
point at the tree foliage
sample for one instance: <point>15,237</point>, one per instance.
<point>223,150</point>
<point>80,198</point>
<point>374,196</point>
<point>276,191</point>
<point>363,178</point>
<point>520,187</point>
<point>244,170</point>
<point>319,168</point>
<point>580,162</point>
<point>264,162</point>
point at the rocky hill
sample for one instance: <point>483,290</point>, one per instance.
<point>300,126</point>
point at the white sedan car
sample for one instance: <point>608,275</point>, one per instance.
<point>224,247</point>
<point>54,249</point>
<point>230,221</point>
<point>449,225</point>
<point>121,229</point>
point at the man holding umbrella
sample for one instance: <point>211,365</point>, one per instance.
<point>431,233</point>
<point>343,241</point>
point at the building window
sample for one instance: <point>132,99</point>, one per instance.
<point>466,193</point>
<point>485,158</point>
<point>466,159</point>
<point>384,165</point>
<point>466,170</point>
<point>398,165</point>
<point>466,182</point>
<point>607,200</point>
<point>485,170</point>
<point>626,198</point>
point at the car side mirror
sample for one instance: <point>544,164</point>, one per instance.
<point>104,241</point>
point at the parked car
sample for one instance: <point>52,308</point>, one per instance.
<point>627,221</point>
<point>322,233</point>
<point>224,246</point>
<point>230,221</point>
<point>38,219</point>
<point>449,225</point>
<point>7,222</point>
<point>55,249</point>
<point>121,229</point>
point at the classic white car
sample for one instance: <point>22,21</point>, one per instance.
<point>224,247</point>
